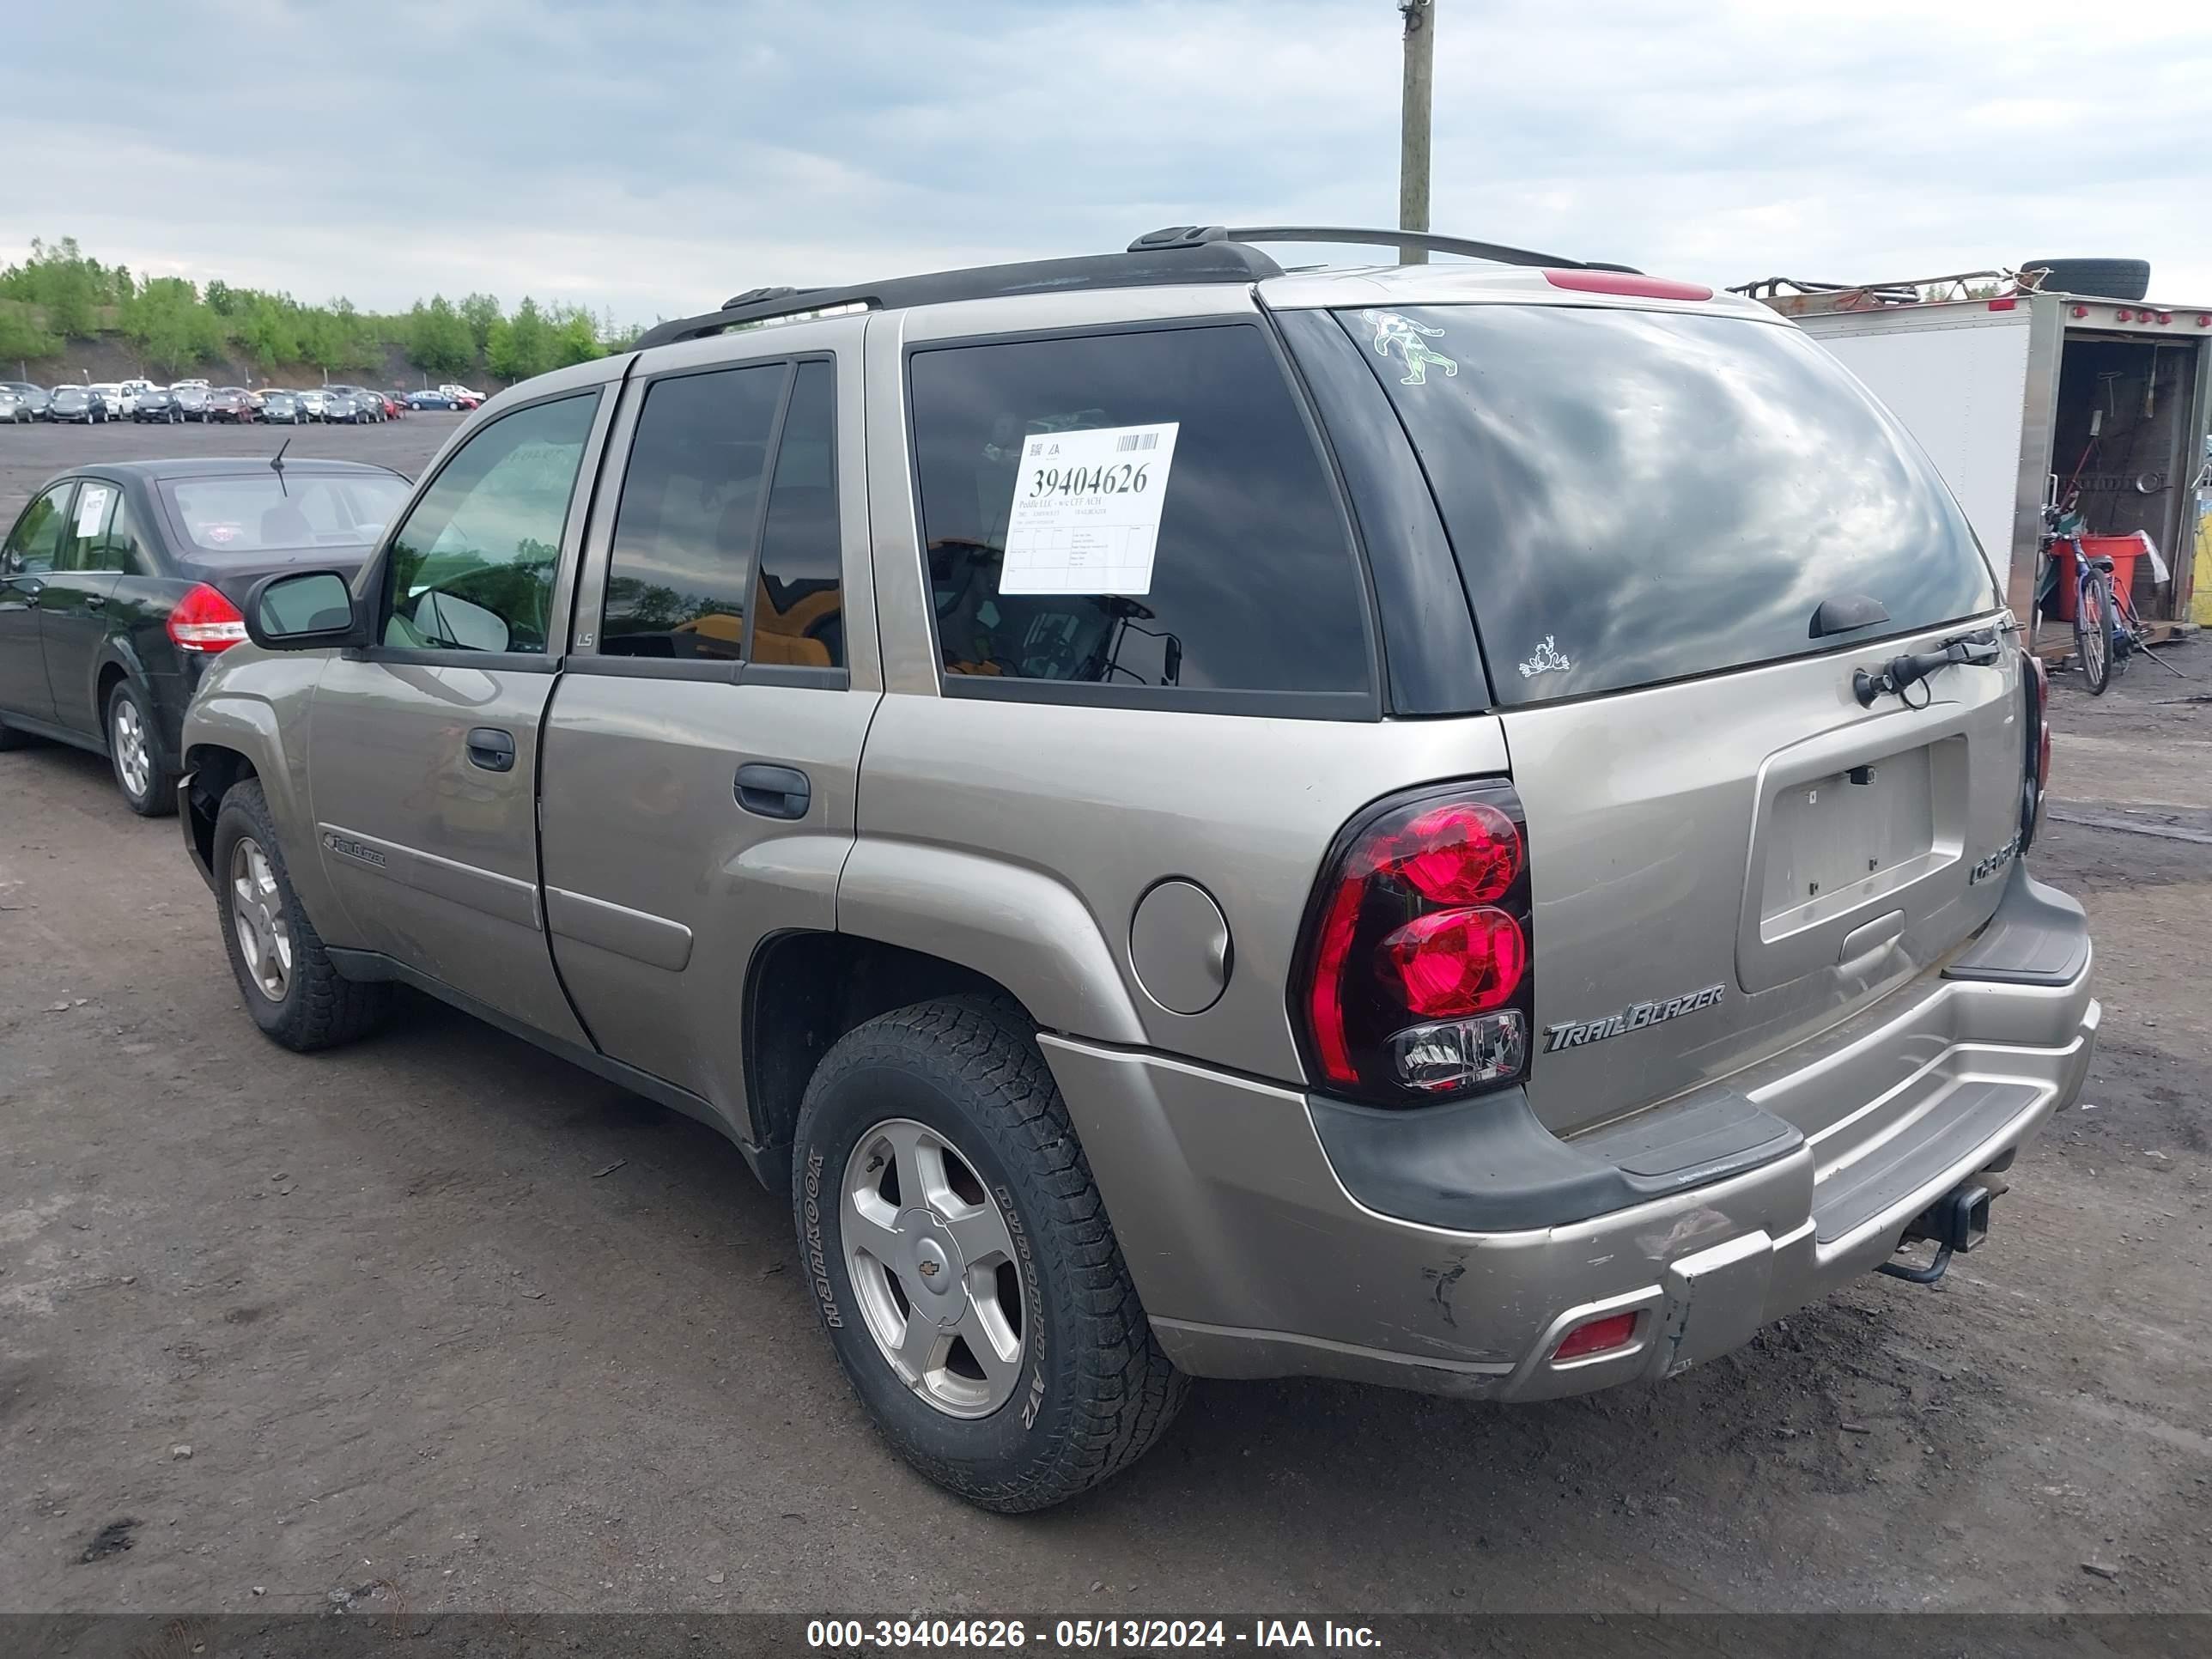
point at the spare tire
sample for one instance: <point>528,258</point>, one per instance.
<point>2101,279</point>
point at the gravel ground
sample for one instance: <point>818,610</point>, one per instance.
<point>448,1325</point>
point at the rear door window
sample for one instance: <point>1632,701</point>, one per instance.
<point>690,515</point>
<point>1242,580</point>
<point>1638,496</point>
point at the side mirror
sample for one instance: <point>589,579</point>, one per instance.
<point>297,610</point>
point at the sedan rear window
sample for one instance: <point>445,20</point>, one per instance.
<point>262,513</point>
<point>1636,496</point>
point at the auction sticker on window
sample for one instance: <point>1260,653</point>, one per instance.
<point>91,508</point>
<point>1086,513</point>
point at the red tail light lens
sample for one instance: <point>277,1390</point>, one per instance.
<point>2035,686</point>
<point>1457,962</point>
<point>204,621</point>
<point>1414,981</point>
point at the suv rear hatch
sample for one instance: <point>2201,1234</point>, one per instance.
<point>1728,853</point>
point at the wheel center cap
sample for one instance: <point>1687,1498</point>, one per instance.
<point>937,1279</point>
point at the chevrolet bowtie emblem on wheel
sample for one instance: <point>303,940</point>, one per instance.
<point>1574,1033</point>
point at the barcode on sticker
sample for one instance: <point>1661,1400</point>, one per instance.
<point>1129,440</point>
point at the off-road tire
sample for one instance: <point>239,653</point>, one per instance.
<point>321,1008</point>
<point>1098,1390</point>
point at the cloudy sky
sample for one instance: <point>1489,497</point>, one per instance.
<point>653,158</point>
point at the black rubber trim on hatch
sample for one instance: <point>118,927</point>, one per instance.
<point>2038,936</point>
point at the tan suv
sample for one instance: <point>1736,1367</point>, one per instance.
<point>1456,826</point>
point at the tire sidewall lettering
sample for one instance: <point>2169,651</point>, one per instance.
<point>817,1266</point>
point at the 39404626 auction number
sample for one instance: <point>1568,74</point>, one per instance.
<point>1107,478</point>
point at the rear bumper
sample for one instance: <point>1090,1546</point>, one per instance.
<point>1255,1258</point>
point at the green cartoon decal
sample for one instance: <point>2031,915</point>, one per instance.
<point>1403,333</point>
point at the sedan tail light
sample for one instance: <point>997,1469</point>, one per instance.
<point>1414,979</point>
<point>205,622</point>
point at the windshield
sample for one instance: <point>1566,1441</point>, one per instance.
<point>1635,496</point>
<point>255,513</point>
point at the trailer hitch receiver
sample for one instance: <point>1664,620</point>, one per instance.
<point>1959,1220</point>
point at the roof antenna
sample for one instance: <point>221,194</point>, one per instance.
<point>276,465</point>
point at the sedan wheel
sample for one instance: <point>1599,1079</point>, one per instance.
<point>134,763</point>
<point>256,916</point>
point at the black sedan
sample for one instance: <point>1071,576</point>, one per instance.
<point>191,401</point>
<point>430,399</point>
<point>78,405</point>
<point>158,405</point>
<point>120,584</point>
<point>282,407</point>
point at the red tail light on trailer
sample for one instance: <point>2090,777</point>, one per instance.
<point>1414,981</point>
<point>205,622</point>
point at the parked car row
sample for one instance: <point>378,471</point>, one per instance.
<point>142,401</point>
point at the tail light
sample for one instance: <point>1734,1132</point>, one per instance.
<point>2035,688</point>
<point>1414,978</point>
<point>205,621</point>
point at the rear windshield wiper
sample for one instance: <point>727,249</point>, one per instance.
<point>1900,672</point>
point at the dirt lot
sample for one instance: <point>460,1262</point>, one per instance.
<point>447,1324</point>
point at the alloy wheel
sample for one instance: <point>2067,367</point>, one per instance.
<point>934,1267</point>
<point>256,916</point>
<point>134,760</point>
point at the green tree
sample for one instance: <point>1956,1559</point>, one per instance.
<point>268,330</point>
<point>22,337</point>
<point>480,311</point>
<point>437,338</point>
<point>521,345</point>
<point>62,281</point>
<point>575,336</point>
<point>170,325</point>
<point>221,298</point>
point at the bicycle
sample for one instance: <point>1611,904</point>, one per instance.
<point>2107,632</point>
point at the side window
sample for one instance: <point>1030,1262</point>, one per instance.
<point>798,605</point>
<point>473,566</point>
<point>691,509</point>
<point>99,530</point>
<point>1169,520</point>
<point>35,543</point>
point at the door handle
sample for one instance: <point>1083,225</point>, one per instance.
<point>774,792</point>
<point>491,748</point>
<point>95,602</point>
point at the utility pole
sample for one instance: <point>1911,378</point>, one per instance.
<point>1420,17</point>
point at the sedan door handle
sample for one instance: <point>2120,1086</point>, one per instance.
<point>774,792</point>
<point>95,602</point>
<point>491,748</point>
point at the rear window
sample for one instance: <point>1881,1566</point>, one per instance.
<point>260,513</point>
<point>1638,496</point>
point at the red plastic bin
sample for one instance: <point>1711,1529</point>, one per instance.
<point>2122,550</point>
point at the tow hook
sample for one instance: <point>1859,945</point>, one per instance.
<point>1957,1221</point>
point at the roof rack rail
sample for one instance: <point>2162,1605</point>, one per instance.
<point>1179,253</point>
<point>1214,262</point>
<point>1358,236</point>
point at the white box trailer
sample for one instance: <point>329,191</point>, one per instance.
<point>2006,391</point>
